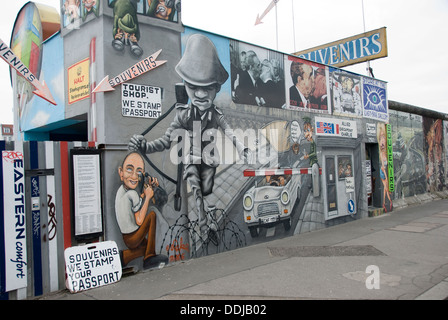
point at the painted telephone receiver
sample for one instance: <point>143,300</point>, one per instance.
<point>160,197</point>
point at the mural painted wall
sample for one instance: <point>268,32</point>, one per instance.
<point>36,43</point>
<point>419,153</point>
<point>434,154</point>
<point>38,112</point>
<point>409,158</point>
<point>209,144</point>
<point>228,144</point>
<point>247,151</point>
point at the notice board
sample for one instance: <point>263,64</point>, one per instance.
<point>86,181</point>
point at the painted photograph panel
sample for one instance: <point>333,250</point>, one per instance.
<point>346,93</point>
<point>306,86</point>
<point>256,76</point>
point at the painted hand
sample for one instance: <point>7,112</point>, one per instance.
<point>137,143</point>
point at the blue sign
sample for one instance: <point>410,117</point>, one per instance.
<point>351,206</point>
<point>375,99</point>
<point>356,49</point>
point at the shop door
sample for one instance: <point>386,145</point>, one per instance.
<point>340,184</point>
<point>376,185</point>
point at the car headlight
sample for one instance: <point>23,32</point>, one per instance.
<point>285,197</point>
<point>248,202</point>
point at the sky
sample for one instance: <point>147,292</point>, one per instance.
<point>416,68</point>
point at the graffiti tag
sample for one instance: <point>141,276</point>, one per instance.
<point>176,248</point>
<point>52,222</point>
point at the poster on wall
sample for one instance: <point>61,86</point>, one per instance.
<point>306,86</point>
<point>336,127</point>
<point>375,100</point>
<point>141,101</point>
<point>87,193</point>
<point>14,247</point>
<point>256,76</point>
<point>78,81</point>
<point>346,93</point>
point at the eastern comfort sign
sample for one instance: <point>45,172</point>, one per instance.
<point>363,47</point>
<point>14,222</point>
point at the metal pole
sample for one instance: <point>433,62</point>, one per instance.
<point>369,73</point>
<point>293,25</point>
<point>276,23</point>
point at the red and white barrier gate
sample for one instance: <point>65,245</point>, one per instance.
<point>276,172</point>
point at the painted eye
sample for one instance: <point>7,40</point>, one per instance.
<point>374,98</point>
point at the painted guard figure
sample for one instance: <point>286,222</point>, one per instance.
<point>203,74</point>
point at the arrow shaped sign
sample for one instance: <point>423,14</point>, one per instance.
<point>136,70</point>
<point>42,89</point>
<point>269,8</point>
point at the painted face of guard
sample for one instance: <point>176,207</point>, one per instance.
<point>202,96</point>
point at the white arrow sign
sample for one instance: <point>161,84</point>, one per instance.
<point>269,8</point>
<point>42,89</point>
<point>136,70</point>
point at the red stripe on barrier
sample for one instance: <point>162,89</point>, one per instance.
<point>271,172</point>
<point>249,173</point>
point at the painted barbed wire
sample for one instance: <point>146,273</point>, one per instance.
<point>224,235</point>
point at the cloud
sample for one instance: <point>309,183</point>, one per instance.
<point>40,119</point>
<point>56,87</point>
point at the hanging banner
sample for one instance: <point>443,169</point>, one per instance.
<point>363,47</point>
<point>14,222</point>
<point>390,158</point>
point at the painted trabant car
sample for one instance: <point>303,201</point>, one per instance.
<point>270,201</point>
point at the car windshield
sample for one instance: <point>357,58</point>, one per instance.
<point>275,180</point>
